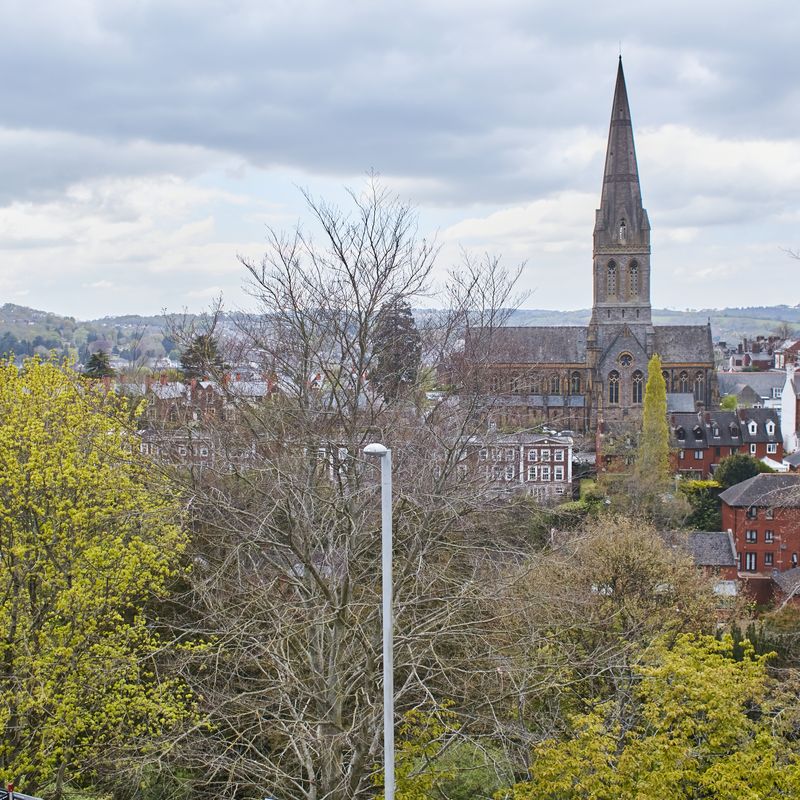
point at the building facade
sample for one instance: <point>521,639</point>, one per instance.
<point>700,441</point>
<point>577,377</point>
<point>763,514</point>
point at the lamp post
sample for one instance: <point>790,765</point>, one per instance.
<point>385,455</point>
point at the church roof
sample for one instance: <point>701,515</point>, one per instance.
<point>684,344</point>
<point>531,345</point>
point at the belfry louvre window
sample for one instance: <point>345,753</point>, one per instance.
<point>633,279</point>
<point>613,387</point>
<point>611,279</point>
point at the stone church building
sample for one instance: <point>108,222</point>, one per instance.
<point>580,377</point>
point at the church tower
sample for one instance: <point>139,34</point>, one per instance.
<point>622,229</point>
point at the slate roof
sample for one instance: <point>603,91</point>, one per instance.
<point>767,489</point>
<point>680,344</point>
<point>793,460</point>
<point>529,345</point>
<point>732,426</point>
<point>788,581</point>
<point>549,400</point>
<point>712,548</point>
<point>762,383</point>
<point>680,402</point>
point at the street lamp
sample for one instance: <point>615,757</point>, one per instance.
<point>385,455</point>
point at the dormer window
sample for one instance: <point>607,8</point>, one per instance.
<point>680,434</point>
<point>715,431</point>
<point>734,430</point>
<point>770,428</point>
<point>698,432</point>
<point>752,428</point>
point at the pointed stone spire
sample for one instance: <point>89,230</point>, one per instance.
<point>621,220</point>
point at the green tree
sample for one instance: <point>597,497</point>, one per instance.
<point>703,497</point>
<point>88,536</point>
<point>737,468</point>
<point>729,403</point>
<point>201,357</point>
<point>652,456</point>
<point>98,365</point>
<point>701,723</point>
<point>396,350</point>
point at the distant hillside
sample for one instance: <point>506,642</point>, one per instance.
<point>727,324</point>
<point>26,331</point>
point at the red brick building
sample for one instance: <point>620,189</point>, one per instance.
<point>700,441</point>
<point>763,514</point>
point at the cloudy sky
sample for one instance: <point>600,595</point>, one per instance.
<point>144,145</point>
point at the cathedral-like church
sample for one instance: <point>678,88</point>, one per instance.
<point>580,377</point>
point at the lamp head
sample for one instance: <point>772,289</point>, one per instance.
<point>375,449</point>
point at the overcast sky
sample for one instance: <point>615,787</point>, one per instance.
<point>143,145</point>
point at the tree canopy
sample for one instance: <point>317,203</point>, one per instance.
<point>396,349</point>
<point>201,357</point>
<point>699,722</point>
<point>88,535</point>
<point>737,468</point>
<point>652,457</point>
<point>98,365</point>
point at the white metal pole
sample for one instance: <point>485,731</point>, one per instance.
<point>388,624</point>
<point>385,454</point>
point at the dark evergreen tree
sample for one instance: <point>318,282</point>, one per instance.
<point>737,468</point>
<point>396,350</point>
<point>99,365</point>
<point>201,358</point>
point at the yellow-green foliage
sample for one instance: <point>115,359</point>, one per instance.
<point>88,534</point>
<point>700,723</point>
<point>652,458</point>
<point>422,736</point>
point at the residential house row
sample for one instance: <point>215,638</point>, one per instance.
<point>699,441</point>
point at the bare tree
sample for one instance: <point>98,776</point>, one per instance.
<point>286,582</point>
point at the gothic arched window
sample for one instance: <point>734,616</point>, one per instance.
<point>633,279</point>
<point>613,387</point>
<point>611,279</point>
<point>555,384</point>
<point>683,382</point>
<point>623,231</point>
<point>699,386</point>
<point>638,382</point>
<point>575,383</point>
<point>665,376</point>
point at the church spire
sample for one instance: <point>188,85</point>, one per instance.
<point>622,230</point>
<point>621,219</point>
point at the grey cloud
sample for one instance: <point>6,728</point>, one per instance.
<point>448,91</point>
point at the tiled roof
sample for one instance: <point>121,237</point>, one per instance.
<point>529,345</point>
<point>767,489</point>
<point>788,581</point>
<point>762,383</point>
<point>680,402</point>
<point>732,427</point>
<point>678,344</point>
<point>712,548</point>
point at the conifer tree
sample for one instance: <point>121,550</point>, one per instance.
<point>201,357</point>
<point>99,365</point>
<point>652,457</point>
<point>397,350</point>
